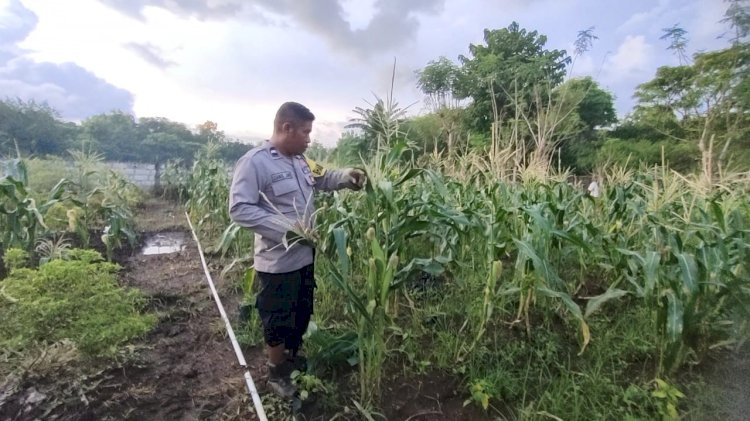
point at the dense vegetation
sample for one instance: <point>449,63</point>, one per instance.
<point>468,254</point>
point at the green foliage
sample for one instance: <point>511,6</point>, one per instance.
<point>15,258</point>
<point>681,156</point>
<point>21,218</point>
<point>703,103</point>
<point>309,384</point>
<point>208,192</point>
<point>114,134</point>
<point>317,152</point>
<point>380,123</point>
<point>77,299</point>
<point>47,172</point>
<point>230,152</point>
<point>511,63</point>
<point>120,137</point>
<point>32,128</point>
<point>668,397</point>
<point>427,133</point>
<point>594,106</point>
<point>351,149</point>
<point>438,80</point>
<point>481,393</point>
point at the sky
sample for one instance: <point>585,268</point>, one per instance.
<point>235,61</point>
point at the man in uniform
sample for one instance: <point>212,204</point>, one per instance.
<point>271,194</point>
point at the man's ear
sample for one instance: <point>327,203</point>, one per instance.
<point>287,127</point>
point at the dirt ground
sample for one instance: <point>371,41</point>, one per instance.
<point>726,395</point>
<point>185,369</point>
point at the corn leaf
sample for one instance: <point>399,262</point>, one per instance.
<point>595,303</point>
<point>689,270</point>
<point>674,316</point>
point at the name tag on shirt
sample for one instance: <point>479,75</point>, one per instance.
<point>281,176</point>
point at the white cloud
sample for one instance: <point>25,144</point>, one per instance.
<point>235,61</point>
<point>640,18</point>
<point>632,60</point>
<point>75,92</point>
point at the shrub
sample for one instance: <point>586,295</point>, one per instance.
<point>77,299</point>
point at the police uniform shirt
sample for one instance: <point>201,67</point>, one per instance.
<point>270,193</point>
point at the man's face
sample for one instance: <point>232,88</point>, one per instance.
<point>297,136</point>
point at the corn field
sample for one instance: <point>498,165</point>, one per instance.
<point>439,266</point>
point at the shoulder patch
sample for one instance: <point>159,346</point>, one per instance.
<point>316,169</point>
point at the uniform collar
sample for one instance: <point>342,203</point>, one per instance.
<point>275,154</point>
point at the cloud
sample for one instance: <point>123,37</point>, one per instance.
<point>16,23</point>
<point>640,18</point>
<point>633,60</point>
<point>70,89</point>
<point>150,53</point>
<point>393,25</point>
<point>73,91</point>
<point>201,9</point>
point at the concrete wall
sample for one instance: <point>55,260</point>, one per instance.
<point>142,175</point>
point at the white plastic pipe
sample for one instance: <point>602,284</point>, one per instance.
<point>237,350</point>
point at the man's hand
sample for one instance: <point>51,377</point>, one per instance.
<point>356,178</point>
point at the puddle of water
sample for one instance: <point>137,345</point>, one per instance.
<point>164,243</point>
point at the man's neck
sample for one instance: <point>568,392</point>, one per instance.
<point>276,143</point>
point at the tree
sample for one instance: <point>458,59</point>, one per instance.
<point>209,131</point>
<point>438,81</point>
<point>677,37</point>
<point>594,105</point>
<point>164,139</point>
<point>593,108</point>
<point>350,147</point>
<point>511,66</point>
<point>427,131</point>
<point>34,128</point>
<point>114,134</point>
<point>709,100</point>
<point>738,18</point>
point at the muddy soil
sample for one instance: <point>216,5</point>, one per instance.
<point>185,369</point>
<point>726,390</point>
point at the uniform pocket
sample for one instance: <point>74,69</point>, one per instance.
<point>283,187</point>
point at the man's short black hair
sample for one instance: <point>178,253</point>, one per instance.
<point>292,112</point>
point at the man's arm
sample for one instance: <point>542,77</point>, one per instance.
<point>244,201</point>
<point>328,180</point>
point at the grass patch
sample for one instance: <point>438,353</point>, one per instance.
<point>77,299</point>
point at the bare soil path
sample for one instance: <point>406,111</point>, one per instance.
<point>726,395</point>
<point>185,369</point>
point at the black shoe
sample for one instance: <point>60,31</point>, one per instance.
<point>297,362</point>
<point>280,382</point>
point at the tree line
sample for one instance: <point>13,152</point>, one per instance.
<point>512,87</point>
<point>30,128</point>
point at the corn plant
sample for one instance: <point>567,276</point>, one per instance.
<point>208,193</point>
<point>488,304</point>
<point>371,309</point>
<point>21,218</point>
<point>174,179</point>
<point>690,269</point>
